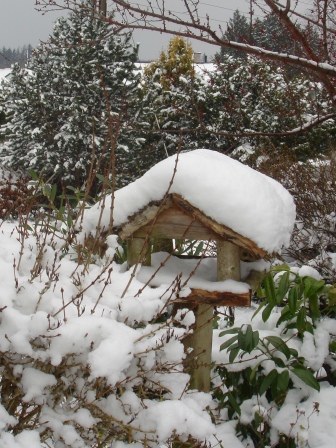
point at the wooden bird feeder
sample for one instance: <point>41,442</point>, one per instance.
<point>175,218</point>
<point>199,195</point>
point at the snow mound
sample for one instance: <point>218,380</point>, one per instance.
<point>229,192</point>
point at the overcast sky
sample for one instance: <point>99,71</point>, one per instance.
<point>21,24</point>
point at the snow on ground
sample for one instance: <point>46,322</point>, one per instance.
<point>105,335</point>
<point>101,321</point>
<point>231,193</point>
<point>74,314</point>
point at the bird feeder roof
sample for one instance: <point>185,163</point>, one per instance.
<point>209,192</point>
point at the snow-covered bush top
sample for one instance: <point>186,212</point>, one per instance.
<point>229,192</point>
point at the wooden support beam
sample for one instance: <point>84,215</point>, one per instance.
<point>138,251</point>
<point>198,361</point>
<point>215,298</point>
<point>228,261</point>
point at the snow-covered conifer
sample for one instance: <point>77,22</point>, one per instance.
<point>70,108</point>
<point>172,107</point>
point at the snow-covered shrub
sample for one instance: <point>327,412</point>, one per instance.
<point>249,96</point>
<point>91,357</point>
<point>68,112</point>
<point>85,358</point>
<point>312,184</point>
<point>314,237</point>
<point>285,352</point>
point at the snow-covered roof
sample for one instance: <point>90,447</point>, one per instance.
<point>230,193</point>
<point>4,72</point>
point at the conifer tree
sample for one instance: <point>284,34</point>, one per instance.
<point>272,35</point>
<point>174,64</point>
<point>254,96</point>
<point>172,102</point>
<point>237,30</point>
<point>70,108</point>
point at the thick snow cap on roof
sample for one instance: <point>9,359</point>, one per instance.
<point>233,194</point>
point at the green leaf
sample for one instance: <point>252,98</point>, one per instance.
<point>294,352</point>
<point>33,175</point>
<point>244,337</point>
<point>234,350</point>
<point>234,403</point>
<point>267,381</point>
<point>247,338</point>
<point>260,292</point>
<point>60,213</point>
<point>53,193</point>
<point>269,287</point>
<point>301,320</point>
<point>307,377</point>
<point>259,308</point>
<point>227,343</point>
<point>285,316</point>
<point>282,288</point>
<point>279,362</point>
<point>255,339</point>
<point>267,312</point>
<point>47,190</point>
<point>254,371</point>
<point>312,286</point>
<point>199,248</point>
<point>103,179</point>
<point>69,221</point>
<point>309,327</point>
<point>283,380</point>
<point>229,331</point>
<point>280,268</point>
<point>293,297</point>
<point>314,307</point>
<point>331,295</point>
<point>279,344</point>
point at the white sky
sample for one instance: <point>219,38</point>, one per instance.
<point>21,24</point>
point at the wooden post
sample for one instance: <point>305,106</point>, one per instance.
<point>198,362</point>
<point>103,7</point>
<point>138,251</point>
<point>228,261</point>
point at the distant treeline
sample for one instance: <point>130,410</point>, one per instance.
<point>9,56</point>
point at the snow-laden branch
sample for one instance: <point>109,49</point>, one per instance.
<point>187,23</point>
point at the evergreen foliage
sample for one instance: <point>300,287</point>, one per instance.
<point>172,105</point>
<point>258,97</point>
<point>238,30</point>
<point>174,64</point>
<point>268,33</point>
<point>272,35</point>
<point>215,109</point>
<point>69,111</point>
